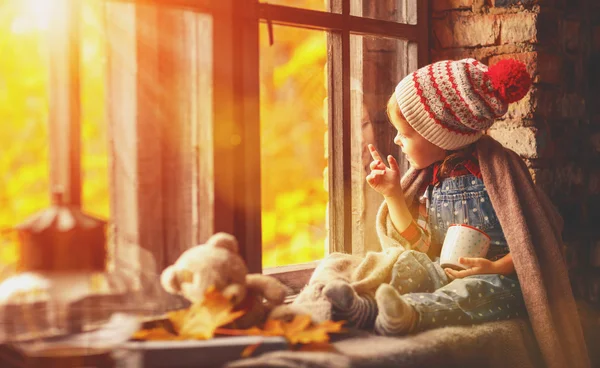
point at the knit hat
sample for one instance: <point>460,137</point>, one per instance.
<point>451,103</point>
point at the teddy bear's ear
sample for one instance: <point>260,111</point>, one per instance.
<point>224,240</point>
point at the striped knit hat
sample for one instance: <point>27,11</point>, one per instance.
<point>452,103</point>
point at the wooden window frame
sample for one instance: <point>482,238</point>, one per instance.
<point>233,201</point>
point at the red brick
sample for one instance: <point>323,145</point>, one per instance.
<point>570,35</point>
<point>509,3</point>
<point>483,54</point>
<point>596,38</point>
<point>522,140</point>
<point>594,182</point>
<point>595,140</point>
<point>441,5</point>
<point>570,105</point>
<point>546,102</point>
<point>518,27</point>
<point>547,27</point>
<point>458,30</point>
<point>562,180</point>
<point>524,108</point>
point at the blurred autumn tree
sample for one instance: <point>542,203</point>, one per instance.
<point>293,134</point>
<point>292,128</point>
<point>24,76</point>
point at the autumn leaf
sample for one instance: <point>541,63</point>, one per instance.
<point>300,330</point>
<point>201,320</point>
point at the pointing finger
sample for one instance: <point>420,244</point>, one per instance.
<point>374,153</point>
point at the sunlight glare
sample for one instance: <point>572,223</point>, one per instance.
<point>35,16</point>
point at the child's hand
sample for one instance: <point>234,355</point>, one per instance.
<point>479,266</point>
<point>385,180</point>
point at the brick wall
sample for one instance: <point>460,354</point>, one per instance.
<point>556,127</point>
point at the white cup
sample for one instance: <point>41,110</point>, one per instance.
<point>463,241</point>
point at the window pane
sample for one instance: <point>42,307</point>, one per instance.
<point>377,65</point>
<point>23,117</point>
<point>293,153</point>
<point>304,4</point>
<point>94,143</point>
<point>401,11</point>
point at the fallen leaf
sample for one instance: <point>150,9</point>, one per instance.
<point>299,331</point>
<point>199,322</point>
<point>202,319</point>
<point>297,325</point>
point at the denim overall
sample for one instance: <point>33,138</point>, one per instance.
<point>470,300</point>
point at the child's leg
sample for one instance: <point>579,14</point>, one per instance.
<point>412,272</point>
<point>359,310</point>
<point>396,316</point>
<point>474,299</point>
<point>415,272</point>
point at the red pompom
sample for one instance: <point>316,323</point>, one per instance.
<point>510,79</point>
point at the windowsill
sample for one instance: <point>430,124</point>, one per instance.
<point>293,276</point>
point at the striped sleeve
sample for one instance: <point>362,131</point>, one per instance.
<point>417,237</point>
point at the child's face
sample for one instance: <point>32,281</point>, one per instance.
<point>419,152</point>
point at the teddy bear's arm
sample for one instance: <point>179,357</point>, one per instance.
<point>235,292</point>
<point>269,287</point>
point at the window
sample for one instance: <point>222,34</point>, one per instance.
<point>194,90</point>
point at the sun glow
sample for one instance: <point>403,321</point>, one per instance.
<point>35,15</point>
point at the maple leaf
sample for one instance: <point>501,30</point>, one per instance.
<point>300,330</point>
<point>202,319</point>
<point>199,322</point>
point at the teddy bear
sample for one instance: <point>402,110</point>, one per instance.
<point>218,263</point>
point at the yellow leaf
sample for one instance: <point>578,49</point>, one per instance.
<point>297,325</point>
<point>201,320</point>
<point>299,331</point>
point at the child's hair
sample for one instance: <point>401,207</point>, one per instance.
<point>453,158</point>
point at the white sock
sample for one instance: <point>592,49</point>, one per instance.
<point>396,316</point>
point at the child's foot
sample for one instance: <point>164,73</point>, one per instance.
<point>359,310</point>
<point>396,316</point>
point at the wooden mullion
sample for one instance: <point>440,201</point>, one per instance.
<point>345,8</point>
<point>423,27</point>
<point>224,127</point>
<point>340,190</point>
<point>202,121</point>
<point>175,78</point>
<point>248,185</point>
<point>134,118</point>
<point>65,102</point>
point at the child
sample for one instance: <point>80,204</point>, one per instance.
<point>459,176</point>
